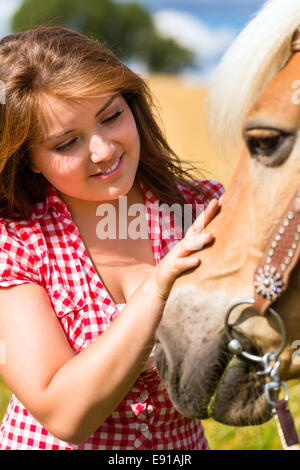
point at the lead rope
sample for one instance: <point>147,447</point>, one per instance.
<point>282,415</point>
<point>281,435</point>
<point>284,444</point>
<point>271,365</point>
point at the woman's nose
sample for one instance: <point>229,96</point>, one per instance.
<point>101,149</point>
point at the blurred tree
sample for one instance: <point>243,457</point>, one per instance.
<point>126,28</point>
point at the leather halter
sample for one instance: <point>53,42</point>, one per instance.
<point>281,255</point>
<point>282,252</point>
<point>271,280</point>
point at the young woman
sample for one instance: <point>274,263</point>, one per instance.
<point>79,305</point>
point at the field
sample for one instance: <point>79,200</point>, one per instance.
<point>181,108</point>
<point>182,111</point>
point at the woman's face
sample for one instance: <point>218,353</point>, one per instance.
<point>92,148</point>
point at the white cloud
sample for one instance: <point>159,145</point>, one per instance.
<point>7,8</point>
<point>206,42</point>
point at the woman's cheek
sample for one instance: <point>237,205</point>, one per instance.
<point>62,167</point>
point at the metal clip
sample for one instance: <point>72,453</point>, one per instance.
<point>268,368</point>
<point>275,387</point>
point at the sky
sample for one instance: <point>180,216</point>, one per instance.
<point>7,8</point>
<point>206,26</point>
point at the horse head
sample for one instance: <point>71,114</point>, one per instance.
<point>204,378</point>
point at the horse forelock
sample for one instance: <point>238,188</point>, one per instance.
<point>260,51</point>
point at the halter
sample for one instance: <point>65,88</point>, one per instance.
<point>271,278</point>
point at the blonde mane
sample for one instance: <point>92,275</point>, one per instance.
<point>254,58</point>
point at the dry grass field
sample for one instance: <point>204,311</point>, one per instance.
<point>182,111</point>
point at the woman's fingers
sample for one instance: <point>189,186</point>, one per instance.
<point>197,242</point>
<point>169,269</point>
<point>192,242</point>
<point>181,257</point>
<point>206,216</point>
<point>195,238</point>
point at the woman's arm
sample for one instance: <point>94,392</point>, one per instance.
<point>72,394</point>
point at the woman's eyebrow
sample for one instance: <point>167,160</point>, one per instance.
<point>103,108</point>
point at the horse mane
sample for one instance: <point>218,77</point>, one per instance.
<point>259,52</point>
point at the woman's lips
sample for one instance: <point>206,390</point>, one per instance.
<point>113,173</point>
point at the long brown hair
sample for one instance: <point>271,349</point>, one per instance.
<point>70,65</point>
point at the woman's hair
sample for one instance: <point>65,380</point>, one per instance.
<point>65,63</point>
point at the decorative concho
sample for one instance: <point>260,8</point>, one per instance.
<point>268,282</point>
<point>297,202</point>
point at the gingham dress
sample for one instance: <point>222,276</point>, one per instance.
<point>47,249</point>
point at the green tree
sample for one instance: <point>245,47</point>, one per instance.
<point>126,28</point>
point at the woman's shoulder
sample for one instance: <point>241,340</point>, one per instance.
<point>19,235</point>
<point>13,233</point>
<point>10,226</point>
<point>201,191</point>
<point>17,256</point>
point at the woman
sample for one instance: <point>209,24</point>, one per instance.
<point>77,136</point>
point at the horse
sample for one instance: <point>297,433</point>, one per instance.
<point>255,108</point>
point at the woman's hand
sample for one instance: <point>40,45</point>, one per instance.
<point>178,259</point>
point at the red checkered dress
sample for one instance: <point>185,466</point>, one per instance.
<point>47,249</point>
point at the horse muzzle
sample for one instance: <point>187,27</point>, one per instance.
<point>204,378</point>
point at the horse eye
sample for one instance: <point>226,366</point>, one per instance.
<point>269,146</point>
<point>264,146</point>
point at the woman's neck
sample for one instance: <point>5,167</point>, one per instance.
<point>87,212</point>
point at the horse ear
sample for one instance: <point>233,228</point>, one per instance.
<point>296,41</point>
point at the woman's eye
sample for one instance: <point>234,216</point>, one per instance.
<point>112,118</point>
<point>64,147</point>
